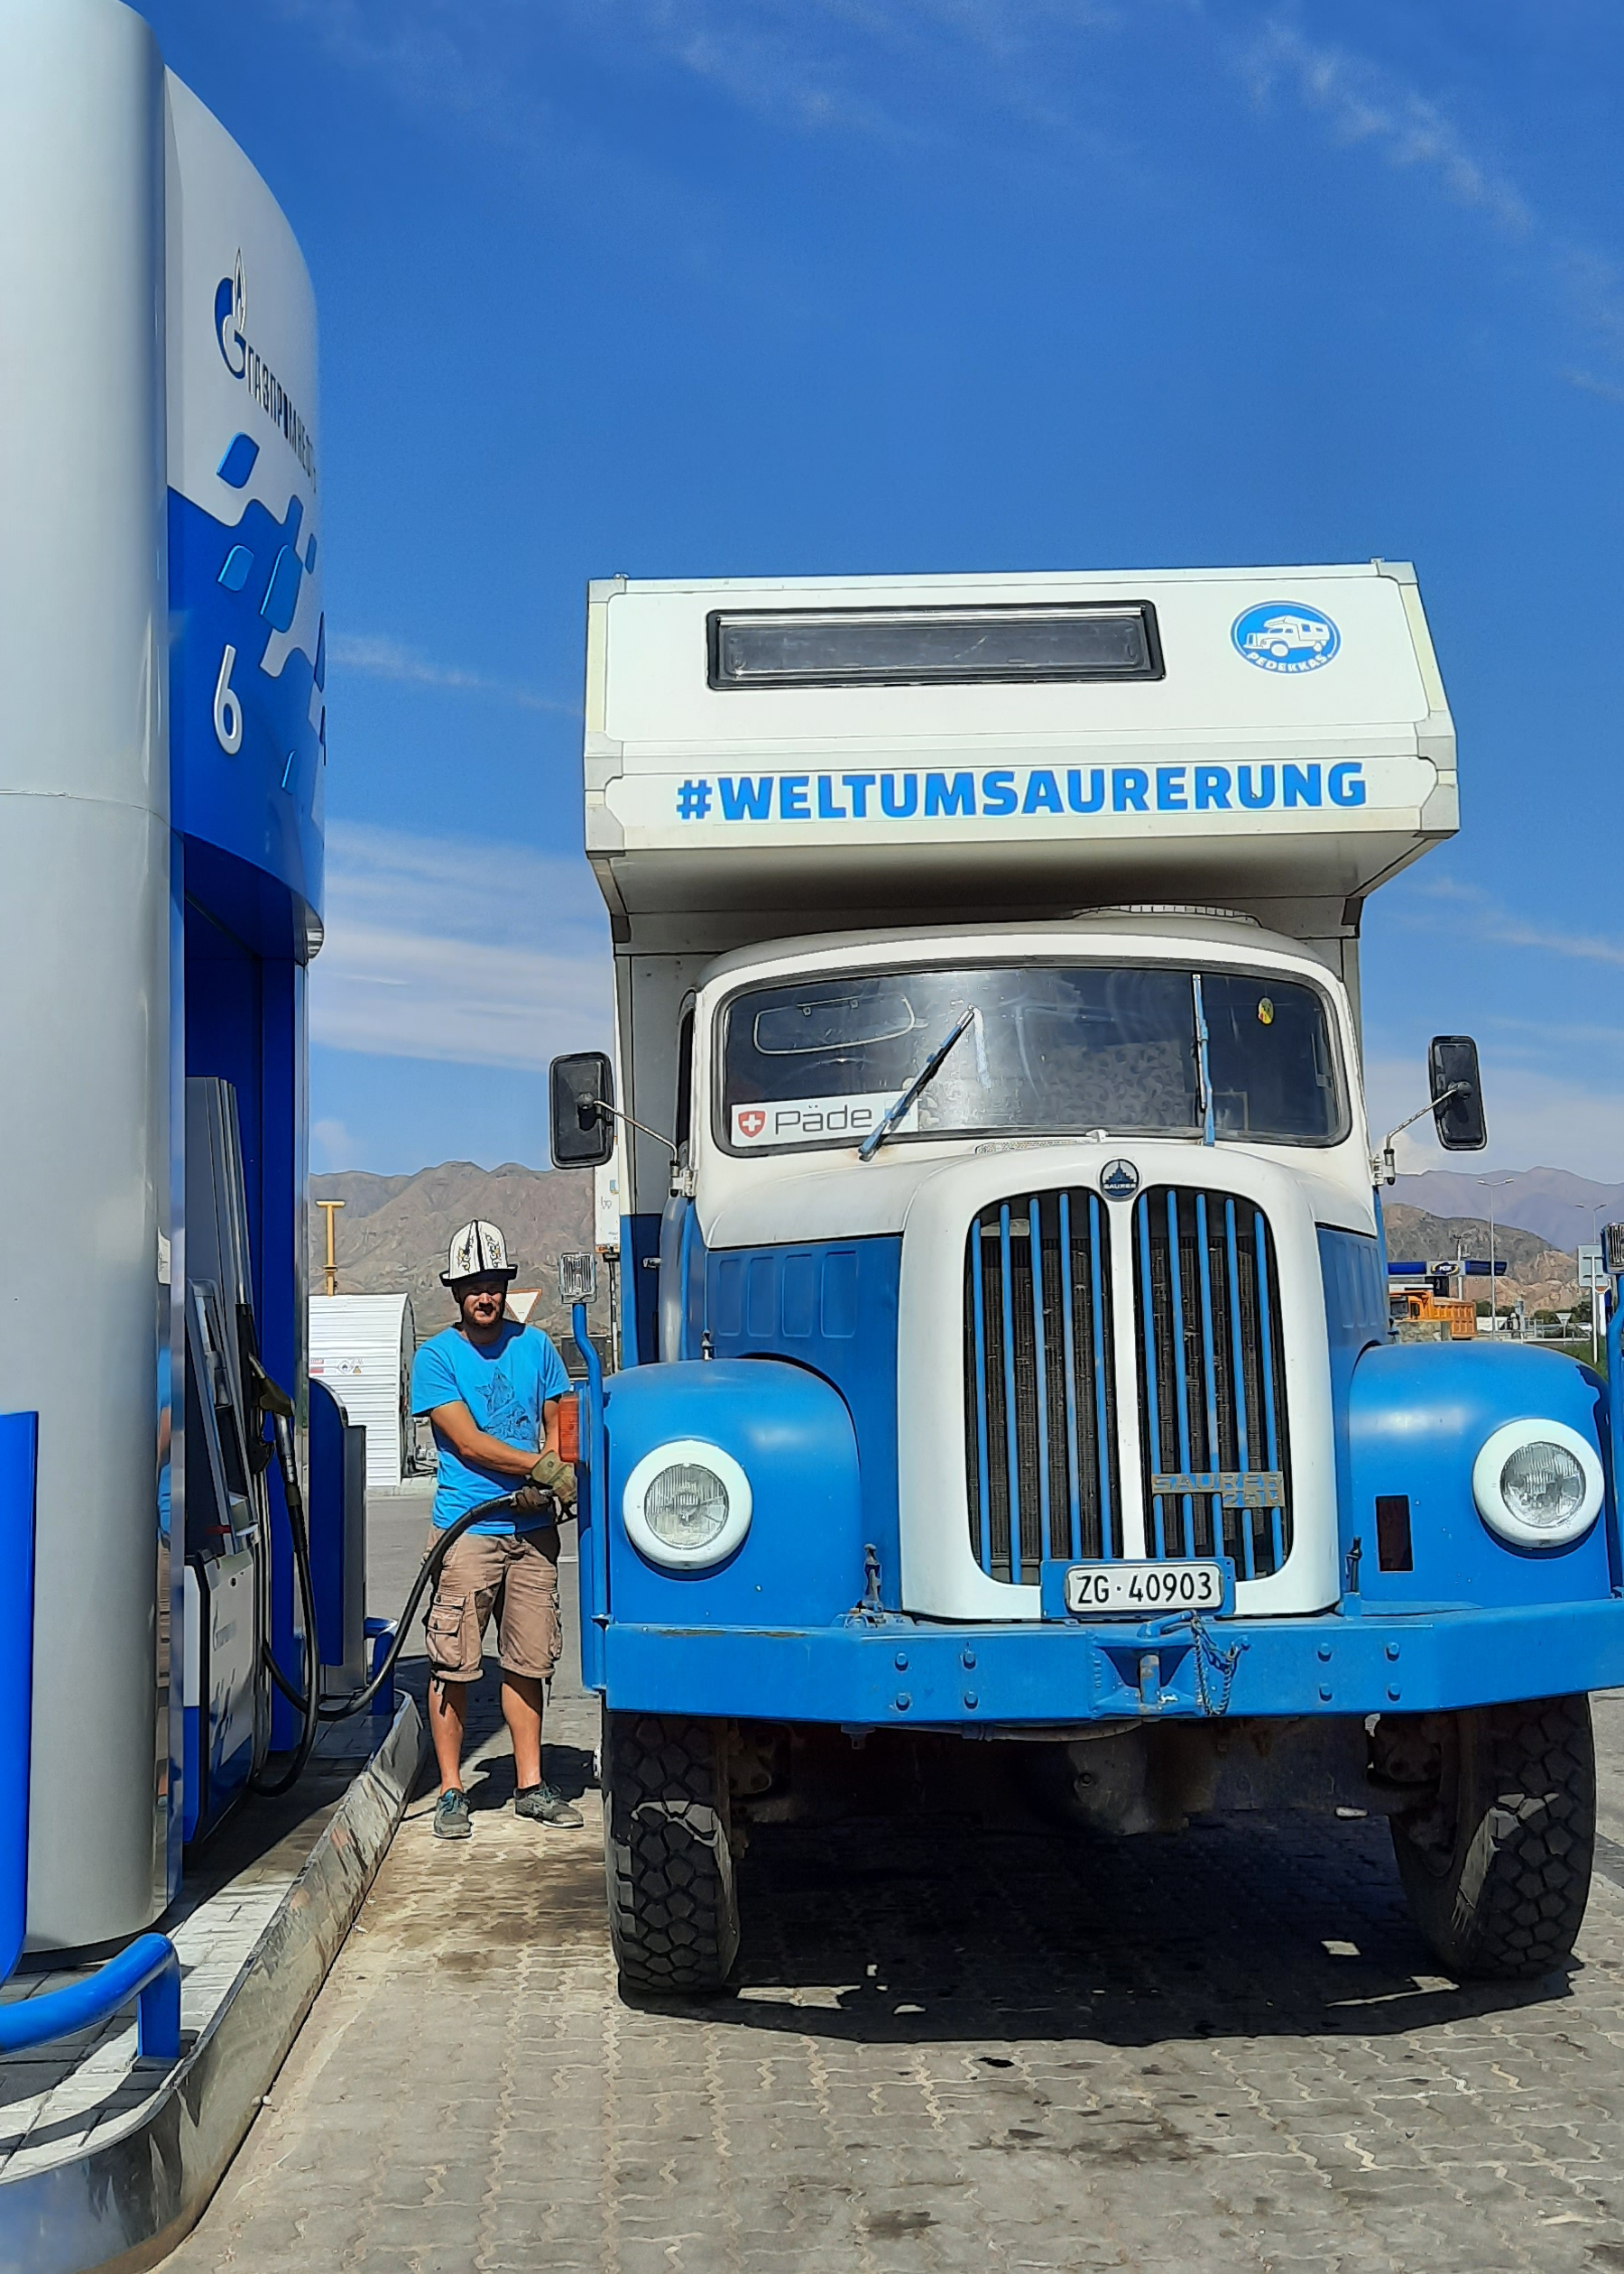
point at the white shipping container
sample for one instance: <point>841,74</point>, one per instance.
<point>362,1348</point>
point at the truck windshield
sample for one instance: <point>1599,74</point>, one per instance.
<point>1055,1051</point>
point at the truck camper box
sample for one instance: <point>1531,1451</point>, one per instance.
<point>1005,1340</point>
<point>780,756</point>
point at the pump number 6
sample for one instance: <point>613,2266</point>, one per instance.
<point>227,708</point>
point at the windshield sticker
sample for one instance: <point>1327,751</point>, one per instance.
<point>817,1121</point>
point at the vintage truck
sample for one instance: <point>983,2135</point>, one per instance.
<point>1003,1322</point>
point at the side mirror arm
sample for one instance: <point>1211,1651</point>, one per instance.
<point>1382,1169</point>
<point>614,1112</point>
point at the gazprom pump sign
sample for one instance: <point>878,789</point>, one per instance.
<point>248,655</point>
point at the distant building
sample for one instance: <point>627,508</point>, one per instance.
<point>361,1347</point>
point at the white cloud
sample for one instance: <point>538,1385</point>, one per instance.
<point>461,952</point>
<point>1532,1117</point>
<point>331,1145</point>
<point>1368,104</point>
<point>1588,383</point>
<point>383,658</point>
<point>811,66</point>
<point>1491,919</point>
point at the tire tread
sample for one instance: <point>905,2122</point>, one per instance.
<point>673,1908</point>
<point>1511,1905</point>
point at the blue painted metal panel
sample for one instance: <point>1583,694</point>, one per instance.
<point>904,1674</point>
<point>19,1458</point>
<point>640,1290</point>
<point>1356,1317</point>
<point>801,1559</point>
<point>850,1339</point>
<point>193,1784</point>
<point>234,589</point>
<point>1417,1414</point>
<point>592,1461</point>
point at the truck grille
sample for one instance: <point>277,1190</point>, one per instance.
<point>1212,1372</point>
<point>1040,1417</point>
<point>1041,1423</point>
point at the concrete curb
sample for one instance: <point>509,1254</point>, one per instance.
<point>124,2204</point>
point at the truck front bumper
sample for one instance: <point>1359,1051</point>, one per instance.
<point>895,1672</point>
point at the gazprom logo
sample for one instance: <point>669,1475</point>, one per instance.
<point>244,361</point>
<point>1285,636</point>
<point>231,320</point>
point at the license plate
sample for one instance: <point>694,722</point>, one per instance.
<point>1139,1587</point>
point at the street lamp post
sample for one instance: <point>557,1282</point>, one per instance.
<point>1593,1208</point>
<point>1490,1185</point>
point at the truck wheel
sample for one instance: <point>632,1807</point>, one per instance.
<point>1497,1862</point>
<point>673,1905</point>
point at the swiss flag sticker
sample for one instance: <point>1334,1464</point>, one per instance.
<point>752,1121</point>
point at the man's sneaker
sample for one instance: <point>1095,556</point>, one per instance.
<point>547,1807</point>
<point>452,1820</point>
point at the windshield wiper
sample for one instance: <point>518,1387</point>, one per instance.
<point>921,1080</point>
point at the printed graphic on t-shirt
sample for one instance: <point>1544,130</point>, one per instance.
<point>504,1416</point>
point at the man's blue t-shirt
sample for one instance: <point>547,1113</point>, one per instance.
<point>504,1387</point>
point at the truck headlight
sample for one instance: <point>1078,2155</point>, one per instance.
<point>1538,1483</point>
<point>685,1505</point>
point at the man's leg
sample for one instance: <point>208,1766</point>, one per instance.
<point>522,1711</point>
<point>530,1651</point>
<point>447,1725</point>
<point>454,1628</point>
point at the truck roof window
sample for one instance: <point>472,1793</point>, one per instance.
<point>913,647</point>
<point>1056,1049</point>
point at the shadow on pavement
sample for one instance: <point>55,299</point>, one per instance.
<point>934,1904</point>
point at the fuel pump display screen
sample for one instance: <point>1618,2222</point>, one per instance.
<point>914,647</point>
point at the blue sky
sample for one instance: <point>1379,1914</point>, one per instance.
<point>715,286</point>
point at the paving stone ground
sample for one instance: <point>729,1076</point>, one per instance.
<point>958,2041</point>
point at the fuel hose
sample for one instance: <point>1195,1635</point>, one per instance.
<point>341,1709</point>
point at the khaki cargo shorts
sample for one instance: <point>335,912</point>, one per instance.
<point>515,1575</point>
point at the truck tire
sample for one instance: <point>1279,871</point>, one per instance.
<point>1497,1864</point>
<point>668,1853</point>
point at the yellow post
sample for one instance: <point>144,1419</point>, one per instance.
<point>329,1209</point>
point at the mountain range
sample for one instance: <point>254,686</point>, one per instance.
<point>393,1231</point>
<point>1560,1207</point>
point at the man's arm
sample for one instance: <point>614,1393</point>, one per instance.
<point>549,1424</point>
<point>470,1443</point>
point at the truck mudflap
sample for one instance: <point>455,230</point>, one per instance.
<point>988,1680</point>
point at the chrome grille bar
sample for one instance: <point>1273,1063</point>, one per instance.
<point>1210,1411</point>
<point>1040,1437</point>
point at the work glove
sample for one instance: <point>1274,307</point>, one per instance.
<point>550,1474</point>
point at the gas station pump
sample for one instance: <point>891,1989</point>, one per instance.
<point>162,748</point>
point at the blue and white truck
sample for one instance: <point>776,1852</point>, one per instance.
<point>1004,1324</point>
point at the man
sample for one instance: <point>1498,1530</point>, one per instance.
<point>491,1389</point>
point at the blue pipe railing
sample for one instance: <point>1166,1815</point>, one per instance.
<point>148,1971</point>
<point>1615,1429</point>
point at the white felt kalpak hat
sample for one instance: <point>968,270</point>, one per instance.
<point>478,1248</point>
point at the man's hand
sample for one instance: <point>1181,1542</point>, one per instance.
<point>555,1476</point>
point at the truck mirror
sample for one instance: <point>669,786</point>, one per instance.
<point>1457,1090</point>
<point>582,1088</point>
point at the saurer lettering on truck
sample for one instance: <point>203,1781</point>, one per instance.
<point>1002,792</point>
